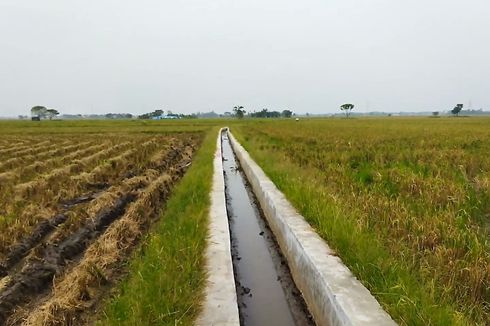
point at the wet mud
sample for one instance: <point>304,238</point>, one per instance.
<point>20,250</point>
<point>33,264</point>
<point>266,291</point>
<point>39,271</point>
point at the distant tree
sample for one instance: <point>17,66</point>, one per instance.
<point>287,113</point>
<point>264,113</point>
<point>457,109</point>
<point>157,113</point>
<point>239,111</point>
<point>189,116</point>
<point>50,113</point>
<point>347,108</point>
<point>39,111</point>
<point>435,113</point>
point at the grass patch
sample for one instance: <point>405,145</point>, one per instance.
<point>166,276</point>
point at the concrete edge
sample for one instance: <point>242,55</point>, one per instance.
<point>220,305</point>
<point>332,293</point>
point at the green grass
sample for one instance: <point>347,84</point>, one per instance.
<point>166,276</point>
<point>404,202</point>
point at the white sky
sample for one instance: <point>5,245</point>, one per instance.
<point>200,55</point>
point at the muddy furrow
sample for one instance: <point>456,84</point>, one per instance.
<point>170,163</point>
<point>38,222</point>
<point>114,171</point>
<point>39,271</point>
<point>42,229</point>
<point>21,249</point>
<point>65,223</point>
<point>70,304</point>
<point>146,205</point>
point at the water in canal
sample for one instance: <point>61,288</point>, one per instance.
<point>266,293</point>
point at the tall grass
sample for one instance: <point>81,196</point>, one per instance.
<point>404,202</point>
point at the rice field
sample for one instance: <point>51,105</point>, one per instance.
<point>105,221</point>
<point>73,207</point>
<point>405,202</point>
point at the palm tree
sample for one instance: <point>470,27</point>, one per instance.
<point>239,111</point>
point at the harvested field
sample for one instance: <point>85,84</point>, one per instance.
<point>72,209</point>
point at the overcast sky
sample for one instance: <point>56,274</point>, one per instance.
<point>200,55</point>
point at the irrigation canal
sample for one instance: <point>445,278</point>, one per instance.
<point>266,292</point>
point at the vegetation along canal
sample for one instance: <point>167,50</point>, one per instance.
<point>265,289</point>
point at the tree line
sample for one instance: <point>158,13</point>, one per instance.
<point>239,112</point>
<point>157,114</point>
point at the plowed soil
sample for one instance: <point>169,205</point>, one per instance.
<point>71,215</point>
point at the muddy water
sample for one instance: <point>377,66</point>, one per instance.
<point>266,293</point>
